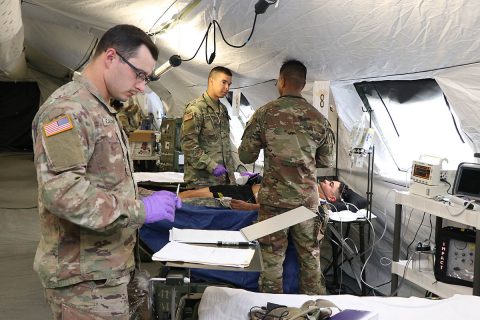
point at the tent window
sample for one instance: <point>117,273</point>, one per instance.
<point>413,119</point>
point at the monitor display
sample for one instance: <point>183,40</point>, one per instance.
<point>467,181</point>
<point>422,172</point>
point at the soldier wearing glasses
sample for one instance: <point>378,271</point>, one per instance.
<point>88,201</point>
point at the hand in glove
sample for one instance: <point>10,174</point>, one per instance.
<point>161,205</point>
<point>219,170</point>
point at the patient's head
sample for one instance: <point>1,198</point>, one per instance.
<point>330,190</point>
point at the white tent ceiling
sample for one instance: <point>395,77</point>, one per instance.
<point>336,39</point>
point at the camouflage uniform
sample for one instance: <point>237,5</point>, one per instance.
<point>89,212</point>
<point>130,117</point>
<point>296,139</point>
<point>205,139</point>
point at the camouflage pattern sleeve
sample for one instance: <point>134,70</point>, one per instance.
<point>191,129</point>
<point>325,153</point>
<point>252,141</point>
<point>88,199</point>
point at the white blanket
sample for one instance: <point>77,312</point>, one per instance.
<point>226,303</point>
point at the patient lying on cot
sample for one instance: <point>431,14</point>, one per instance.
<point>244,197</point>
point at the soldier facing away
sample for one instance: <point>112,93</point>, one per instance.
<point>88,201</point>
<point>205,135</point>
<point>296,139</point>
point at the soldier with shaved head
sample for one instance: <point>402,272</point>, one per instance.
<point>296,139</point>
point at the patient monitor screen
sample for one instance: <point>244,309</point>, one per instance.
<point>469,183</point>
<point>422,172</point>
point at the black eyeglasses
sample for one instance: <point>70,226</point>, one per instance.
<point>141,75</point>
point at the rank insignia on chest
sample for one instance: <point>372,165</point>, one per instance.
<point>107,121</point>
<point>57,126</point>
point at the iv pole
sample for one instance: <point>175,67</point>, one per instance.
<point>371,157</point>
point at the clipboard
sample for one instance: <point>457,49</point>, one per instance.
<point>279,222</point>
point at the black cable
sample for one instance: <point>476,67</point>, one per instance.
<point>198,49</point>
<point>453,118</point>
<point>18,208</point>
<point>413,72</point>
<point>431,228</point>
<point>255,84</point>
<point>449,185</point>
<point>215,23</point>
<point>383,284</point>
<point>248,39</point>
<point>415,236</point>
<point>241,87</point>
<point>388,112</point>
<point>149,31</point>
<point>401,280</point>
<point>86,57</point>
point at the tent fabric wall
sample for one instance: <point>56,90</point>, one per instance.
<point>12,59</point>
<point>462,88</point>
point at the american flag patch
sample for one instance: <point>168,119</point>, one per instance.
<point>59,125</point>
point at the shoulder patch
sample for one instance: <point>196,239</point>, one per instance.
<point>188,116</point>
<point>57,126</point>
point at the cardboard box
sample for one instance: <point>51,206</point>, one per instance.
<point>142,136</point>
<point>142,149</point>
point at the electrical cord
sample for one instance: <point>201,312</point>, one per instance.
<point>374,244</point>
<point>456,214</point>
<point>416,233</point>
<point>216,24</point>
<point>449,185</point>
<point>402,279</point>
<point>156,21</point>
<point>88,54</point>
<point>260,8</point>
<point>407,222</point>
<point>232,45</point>
<point>431,229</point>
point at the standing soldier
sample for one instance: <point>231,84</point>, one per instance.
<point>205,135</point>
<point>87,198</point>
<point>296,139</point>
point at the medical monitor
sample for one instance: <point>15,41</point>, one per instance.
<point>467,181</point>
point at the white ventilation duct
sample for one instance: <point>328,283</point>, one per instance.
<point>12,57</point>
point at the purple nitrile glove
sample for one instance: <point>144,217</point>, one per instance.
<point>161,205</point>
<point>219,170</point>
<point>249,174</point>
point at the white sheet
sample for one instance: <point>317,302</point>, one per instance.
<point>227,303</point>
<point>175,177</point>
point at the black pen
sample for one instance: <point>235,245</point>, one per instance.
<point>241,244</point>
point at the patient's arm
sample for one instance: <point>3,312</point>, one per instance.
<point>196,193</point>
<point>243,205</point>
